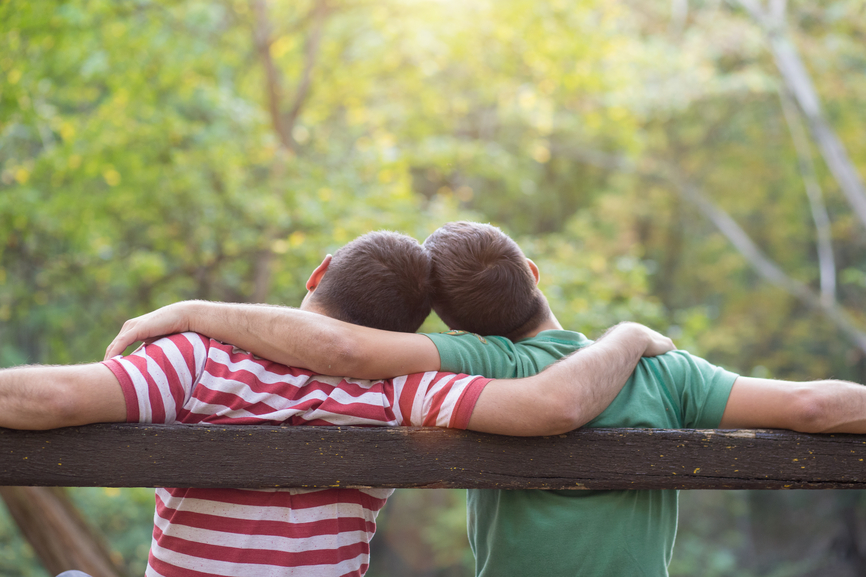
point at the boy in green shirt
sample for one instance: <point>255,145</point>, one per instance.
<point>586,532</point>
<point>593,533</point>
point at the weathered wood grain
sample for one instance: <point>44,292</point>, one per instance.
<point>254,456</point>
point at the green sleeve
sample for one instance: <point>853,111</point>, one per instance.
<point>499,358</point>
<point>702,388</point>
<point>471,354</point>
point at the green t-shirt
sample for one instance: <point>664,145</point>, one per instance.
<point>593,533</point>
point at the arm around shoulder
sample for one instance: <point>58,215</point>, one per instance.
<point>317,342</point>
<point>289,336</point>
<point>569,393</point>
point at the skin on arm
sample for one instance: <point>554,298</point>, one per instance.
<point>571,392</point>
<point>293,337</point>
<point>47,397</point>
<point>810,407</point>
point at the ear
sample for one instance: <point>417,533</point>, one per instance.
<point>317,275</point>
<point>534,268</point>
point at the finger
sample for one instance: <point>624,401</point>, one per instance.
<point>117,346</point>
<point>109,352</point>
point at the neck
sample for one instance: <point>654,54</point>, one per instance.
<point>311,305</point>
<point>549,323</point>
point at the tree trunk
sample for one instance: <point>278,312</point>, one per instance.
<point>826,259</point>
<point>800,84</point>
<point>759,261</point>
<point>59,535</point>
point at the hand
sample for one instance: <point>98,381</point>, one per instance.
<point>168,320</point>
<point>656,343</point>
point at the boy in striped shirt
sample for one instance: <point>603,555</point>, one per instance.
<point>188,378</point>
<point>378,281</point>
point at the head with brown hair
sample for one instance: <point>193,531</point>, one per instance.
<point>482,282</point>
<point>379,280</point>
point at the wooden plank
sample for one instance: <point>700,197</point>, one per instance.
<point>123,455</point>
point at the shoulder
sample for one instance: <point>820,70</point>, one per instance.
<point>464,336</point>
<point>453,341</point>
<point>556,337</point>
<point>682,361</point>
<point>685,371</point>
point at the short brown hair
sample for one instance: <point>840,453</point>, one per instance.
<point>379,280</point>
<point>482,282</point>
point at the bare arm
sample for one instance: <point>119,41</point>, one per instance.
<point>38,398</point>
<point>570,393</point>
<point>811,407</point>
<point>289,336</point>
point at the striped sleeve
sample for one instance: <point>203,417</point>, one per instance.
<point>158,378</point>
<point>437,399</point>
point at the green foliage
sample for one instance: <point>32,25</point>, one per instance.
<point>17,558</point>
<point>141,162</point>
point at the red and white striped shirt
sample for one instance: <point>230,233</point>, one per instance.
<point>188,378</point>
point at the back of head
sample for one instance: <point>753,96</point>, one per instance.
<point>482,282</point>
<point>379,280</point>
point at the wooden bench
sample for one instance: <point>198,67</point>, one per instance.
<point>125,455</point>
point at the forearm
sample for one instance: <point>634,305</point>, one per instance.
<point>289,336</point>
<point>812,407</point>
<point>586,382</point>
<point>569,393</point>
<point>313,341</point>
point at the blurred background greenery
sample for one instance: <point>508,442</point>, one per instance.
<point>656,159</point>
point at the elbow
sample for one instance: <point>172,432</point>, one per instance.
<point>564,415</point>
<point>573,417</point>
<point>62,408</point>
<point>342,356</point>
<point>560,409</point>
<point>811,409</point>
